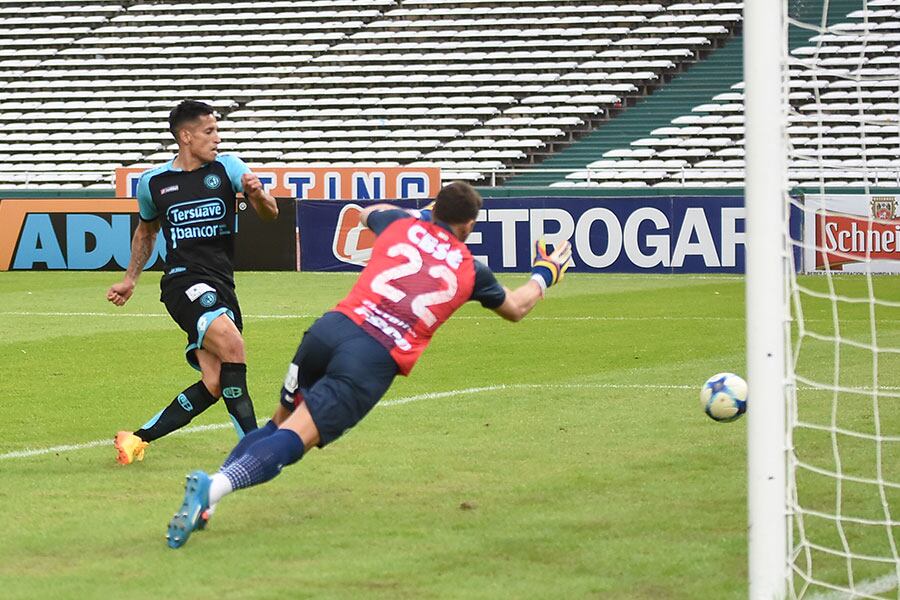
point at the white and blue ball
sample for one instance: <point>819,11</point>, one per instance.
<point>724,397</point>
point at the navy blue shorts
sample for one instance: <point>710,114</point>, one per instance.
<point>341,372</point>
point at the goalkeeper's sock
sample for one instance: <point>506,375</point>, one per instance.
<point>263,460</point>
<point>233,378</point>
<point>219,487</point>
<point>248,440</point>
<point>187,405</point>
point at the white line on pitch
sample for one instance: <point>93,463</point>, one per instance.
<point>310,316</point>
<point>121,315</point>
<point>385,404</point>
<point>867,589</point>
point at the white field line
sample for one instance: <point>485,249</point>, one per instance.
<point>263,317</point>
<point>312,316</point>
<point>386,404</point>
<point>866,589</point>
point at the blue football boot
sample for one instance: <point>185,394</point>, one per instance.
<point>188,517</point>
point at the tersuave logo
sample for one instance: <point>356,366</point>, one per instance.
<point>352,241</point>
<point>196,211</point>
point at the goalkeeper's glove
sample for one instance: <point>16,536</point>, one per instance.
<point>548,269</point>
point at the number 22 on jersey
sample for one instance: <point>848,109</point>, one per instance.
<point>383,283</point>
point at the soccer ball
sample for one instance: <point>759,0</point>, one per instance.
<point>724,397</point>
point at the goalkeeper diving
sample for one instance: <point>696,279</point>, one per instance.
<point>419,274</point>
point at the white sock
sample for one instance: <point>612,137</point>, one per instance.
<point>219,487</point>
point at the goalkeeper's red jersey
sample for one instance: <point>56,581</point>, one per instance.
<point>419,274</point>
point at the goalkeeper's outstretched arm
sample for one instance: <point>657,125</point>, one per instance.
<point>546,270</point>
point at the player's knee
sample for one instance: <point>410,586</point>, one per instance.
<point>232,348</point>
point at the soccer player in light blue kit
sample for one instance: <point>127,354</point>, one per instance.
<point>192,199</point>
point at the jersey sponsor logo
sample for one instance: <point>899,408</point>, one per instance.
<point>212,181</point>
<point>196,211</point>
<point>385,323</point>
<point>208,299</point>
<point>195,232</point>
<point>166,190</point>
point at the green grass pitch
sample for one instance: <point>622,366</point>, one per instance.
<point>564,456</point>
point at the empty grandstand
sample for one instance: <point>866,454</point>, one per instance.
<point>523,92</point>
<point>474,87</point>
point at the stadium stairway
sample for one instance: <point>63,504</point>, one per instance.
<point>697,85</point>
<point>703,80</point>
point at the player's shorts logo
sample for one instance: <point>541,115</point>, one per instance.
<point>212,181</point>
<point>208,299</point>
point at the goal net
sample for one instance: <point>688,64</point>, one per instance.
<point>841,275</point>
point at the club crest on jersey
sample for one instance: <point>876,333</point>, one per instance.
<point>212,181</point>
<point>352,241</point>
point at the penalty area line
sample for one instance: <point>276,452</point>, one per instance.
<point>30,452</point>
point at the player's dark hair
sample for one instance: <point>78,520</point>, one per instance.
<point>457,203</point>
<point>187,111</point>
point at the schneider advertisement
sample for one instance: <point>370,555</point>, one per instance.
<point>851,233</point>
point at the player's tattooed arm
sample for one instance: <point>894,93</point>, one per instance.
<point>141,248</point>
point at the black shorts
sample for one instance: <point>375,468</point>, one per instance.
<point>341,372</point>
<point>194,303</point>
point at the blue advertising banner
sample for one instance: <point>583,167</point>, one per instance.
<point>656,234</point>
<point>95,234</point>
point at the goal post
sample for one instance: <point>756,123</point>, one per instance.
<point>766,295</point>
<point>823,298</point>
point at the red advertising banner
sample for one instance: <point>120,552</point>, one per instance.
<point>843,239</point>
<point>326,183</point>
<point>853,233</point>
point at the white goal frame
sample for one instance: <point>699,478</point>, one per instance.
<point>765,111</point>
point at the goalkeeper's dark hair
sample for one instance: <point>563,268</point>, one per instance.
<point>457,203</point>
<point>187,111</point>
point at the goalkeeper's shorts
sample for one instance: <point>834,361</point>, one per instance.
<point>341,372</point>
